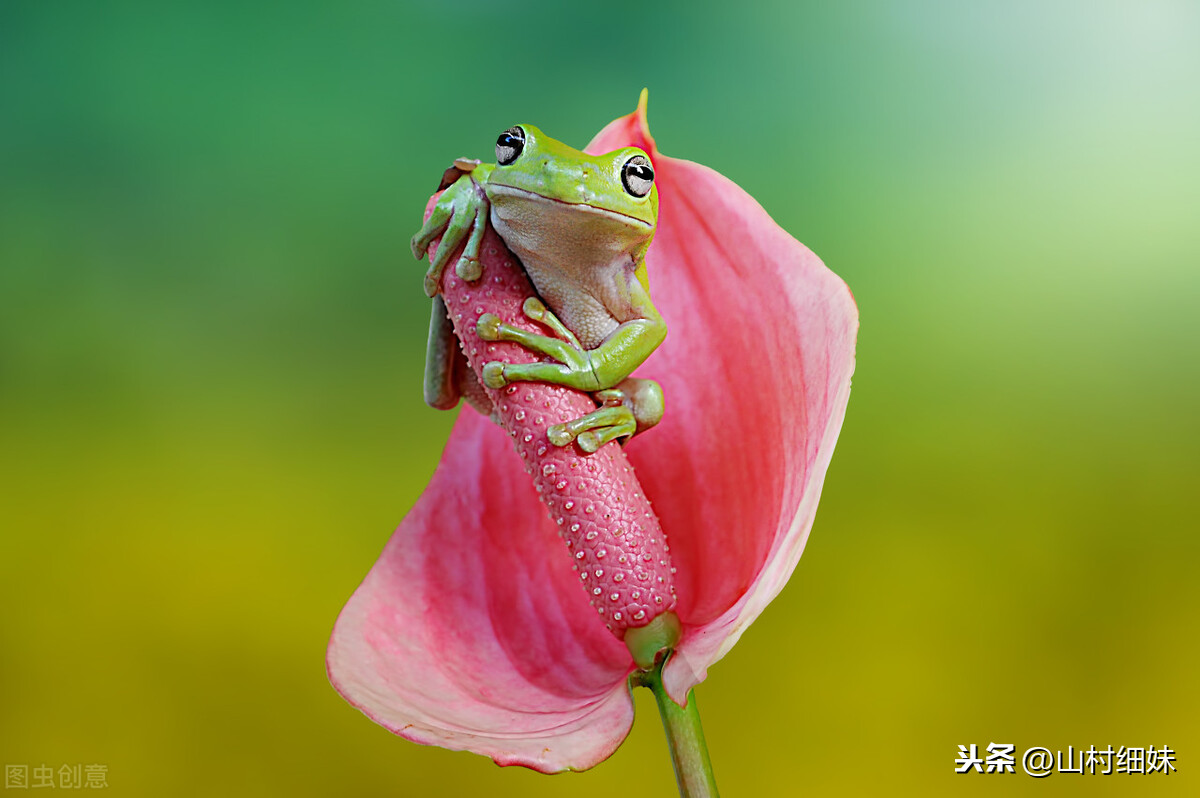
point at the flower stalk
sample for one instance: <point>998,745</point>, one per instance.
<point>685,736</point>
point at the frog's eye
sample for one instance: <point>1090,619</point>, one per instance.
<point>509,145</point>
<point>638,176</point>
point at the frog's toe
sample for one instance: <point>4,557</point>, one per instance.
<point>468,269</point>
<point>588,441</point>
<point>593,439</point>
<point>432,284</point>
<point>533,308</point>
<point>610,397</point>
<point>560,434</point>
<point>595,429</point>
<point>488,327</point>
<point>493,375</point>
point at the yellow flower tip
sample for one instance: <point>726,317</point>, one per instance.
<point>639,119</point>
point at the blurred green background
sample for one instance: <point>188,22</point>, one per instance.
<point>211,337</point>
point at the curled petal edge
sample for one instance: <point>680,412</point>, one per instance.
<point>471,633</point>
<point>717,249</point>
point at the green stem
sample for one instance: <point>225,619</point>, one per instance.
<point>685,737</point>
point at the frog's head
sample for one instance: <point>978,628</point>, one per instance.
<point>611,194</point>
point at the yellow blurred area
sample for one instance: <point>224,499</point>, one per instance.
<point>211,337</point>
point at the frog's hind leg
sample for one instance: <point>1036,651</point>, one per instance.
<point>631,407</point>
<point>472,389</point>
<point>448,376</point>
<point>595,429</point>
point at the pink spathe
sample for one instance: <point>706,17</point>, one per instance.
<point>472,632</point>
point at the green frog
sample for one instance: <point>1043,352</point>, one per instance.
<point>581,225</point>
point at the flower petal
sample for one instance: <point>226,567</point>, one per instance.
<point>471,631</point>
<point>756,374</point>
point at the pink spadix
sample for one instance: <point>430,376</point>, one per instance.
<point>604,518</point>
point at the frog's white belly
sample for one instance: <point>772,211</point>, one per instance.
<point>577,257</point>
<point>575,305</point>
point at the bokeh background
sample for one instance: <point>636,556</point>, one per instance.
<point>211,338</point>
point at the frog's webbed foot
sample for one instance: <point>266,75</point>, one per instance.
<point>595,429</point>
<point>574,366</point>
<point>460,213</point>
<point>633,406</point>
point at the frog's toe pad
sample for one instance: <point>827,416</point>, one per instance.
<point>589,441</point>
<point>493,373</point>
<point>432,284</point>
<point>533,308</point>
<point>488,328</point>
<point>560,435</point>
<point>469,269</point>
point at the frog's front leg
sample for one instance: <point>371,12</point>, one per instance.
<point>629,407</point>
<point>573,369</point>
<point>583,369</point>
<point>461,210</point>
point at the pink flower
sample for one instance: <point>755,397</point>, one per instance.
<point>471,631</point>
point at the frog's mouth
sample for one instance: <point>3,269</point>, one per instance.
<point>503,192</point>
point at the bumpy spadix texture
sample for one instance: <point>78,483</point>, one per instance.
<point>612,537</point>
<point>472,632</point>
